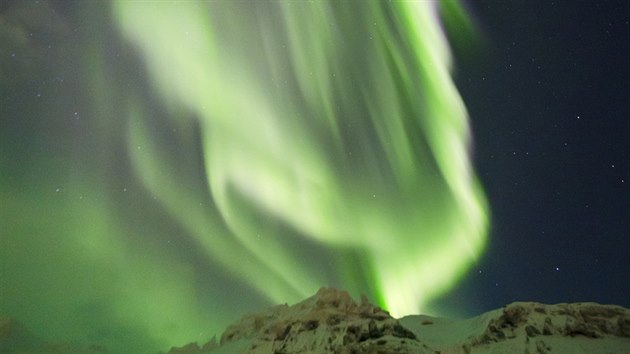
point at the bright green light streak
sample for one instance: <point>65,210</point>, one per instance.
<point>338,120</point>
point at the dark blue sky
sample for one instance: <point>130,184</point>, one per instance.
<point>549,99</point>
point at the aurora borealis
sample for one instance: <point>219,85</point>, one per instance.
<point>368,155</point>
<point>291,144</point>
<point>167,166</point>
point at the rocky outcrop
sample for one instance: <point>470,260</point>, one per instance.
<point>329,322</point>
<point>194,348</point>
<point>568,320</point>
<point>16,338</point>
<point>531,328</point>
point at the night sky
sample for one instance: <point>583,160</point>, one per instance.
<point>141,206</point>
<point>549,101</point>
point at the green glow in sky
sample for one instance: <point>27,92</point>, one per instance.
<point>339,122</point>
<point>229,155</point>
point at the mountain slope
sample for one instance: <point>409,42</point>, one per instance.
<point>331,322</point>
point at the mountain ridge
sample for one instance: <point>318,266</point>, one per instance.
<point>331,321</point>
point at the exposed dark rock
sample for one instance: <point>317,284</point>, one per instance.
<point>331,321</point>
<point>532,331</point>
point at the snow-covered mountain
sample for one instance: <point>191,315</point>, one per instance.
<point>332,322</point>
